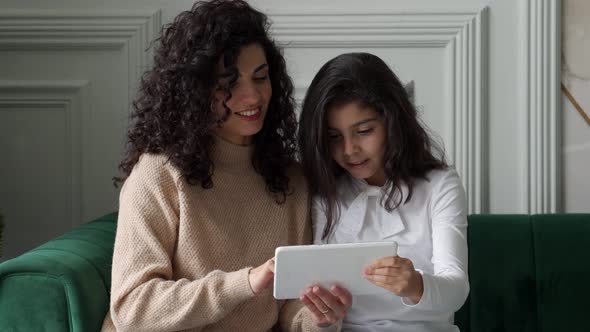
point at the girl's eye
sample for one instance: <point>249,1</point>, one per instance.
<point>261,78</point>
<point>365,131</point>
<point>332,137</point>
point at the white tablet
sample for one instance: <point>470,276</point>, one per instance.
<point>299,266</point>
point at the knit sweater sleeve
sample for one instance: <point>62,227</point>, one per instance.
<point>144,295</point>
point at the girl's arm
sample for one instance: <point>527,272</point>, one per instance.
<point>447,288</point>
<point>144,295</point>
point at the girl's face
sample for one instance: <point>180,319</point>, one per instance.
<point>357,141</point>
<point>250,95</point>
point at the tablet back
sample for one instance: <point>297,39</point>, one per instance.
<point>299,266</point>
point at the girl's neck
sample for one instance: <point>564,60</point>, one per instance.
<point>377,179</point>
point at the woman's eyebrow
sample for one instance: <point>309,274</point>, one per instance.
<point>259,68</point>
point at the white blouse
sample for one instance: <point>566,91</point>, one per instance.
<point>430,229</point>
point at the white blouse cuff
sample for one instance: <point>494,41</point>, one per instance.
<point>425,300</point>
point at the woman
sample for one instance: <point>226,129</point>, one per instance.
<point>210,184</point>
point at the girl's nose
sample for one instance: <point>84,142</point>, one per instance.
<point>350,147</point>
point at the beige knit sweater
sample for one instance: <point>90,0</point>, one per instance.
<point>182,253</point>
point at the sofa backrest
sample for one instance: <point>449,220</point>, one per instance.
<point>62,285</point>
<point>527,273</point>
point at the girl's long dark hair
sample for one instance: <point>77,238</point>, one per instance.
<point>173,112</point>
<point>364,78</point>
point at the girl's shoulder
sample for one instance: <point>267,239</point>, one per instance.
<point>437,177</point>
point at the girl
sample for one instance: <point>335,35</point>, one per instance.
<point>210,184</point>
<point>375,176</point>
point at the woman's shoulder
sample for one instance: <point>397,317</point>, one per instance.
<point>295,174</point>
<point>157,168</point>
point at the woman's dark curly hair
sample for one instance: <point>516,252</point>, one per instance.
<point>409,152</point>
<point>173,112</point>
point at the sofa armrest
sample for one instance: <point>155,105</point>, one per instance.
<point>63,285</point>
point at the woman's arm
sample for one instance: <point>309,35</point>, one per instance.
<point>144,295</point>
<point>303,314</point>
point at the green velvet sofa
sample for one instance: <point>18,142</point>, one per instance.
<point>527,273</point>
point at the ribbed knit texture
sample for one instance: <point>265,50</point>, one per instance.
<point>182,253</point>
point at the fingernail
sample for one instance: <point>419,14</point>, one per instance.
<point>316,289</point>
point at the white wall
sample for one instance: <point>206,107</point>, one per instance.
<point>486,76</point>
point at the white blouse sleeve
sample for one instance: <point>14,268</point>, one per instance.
<point>318,219</point>
<point>447,288</point>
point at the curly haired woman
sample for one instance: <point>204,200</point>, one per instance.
<point>210,185</point>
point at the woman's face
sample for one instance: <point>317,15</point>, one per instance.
<point>250,95</point>
<point>357,141</point>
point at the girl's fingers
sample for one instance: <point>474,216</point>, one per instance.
<point>381,278</point>
<point>382,285</point>
<point>386,271</point>
<point>394,262</point>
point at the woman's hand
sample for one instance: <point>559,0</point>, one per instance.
<point>262,276</point>
<point>396,274</point>
<point>326,307</point>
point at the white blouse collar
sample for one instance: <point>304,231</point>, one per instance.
<point>356,196</point>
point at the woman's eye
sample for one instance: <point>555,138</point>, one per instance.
<point>332,137</point>
<point>261,78</point>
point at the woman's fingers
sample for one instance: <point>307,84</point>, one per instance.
<point>331,300</point>
<point>326,307</point>
<point>262,276</point>
<point>343,295</point>
<point>316,314</point>
<point>322,306</point>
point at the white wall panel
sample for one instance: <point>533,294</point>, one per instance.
<point>485,75</point>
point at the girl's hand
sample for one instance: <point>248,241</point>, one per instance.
<point>396,274</point>
<point>262,276</point>
<point>326,307</point>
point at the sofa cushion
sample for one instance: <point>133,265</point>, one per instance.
<point>501,274</point>
<point>561,260</point>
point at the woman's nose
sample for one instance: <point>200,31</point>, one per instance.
<point>247,93</point>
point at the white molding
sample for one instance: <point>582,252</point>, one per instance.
<point>67,31</point>
<point>388,30</point>
<point>462,33</point>
<point>72,97</point>
<point>541,77</point>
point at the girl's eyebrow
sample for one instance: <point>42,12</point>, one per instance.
<point>362,122</point>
